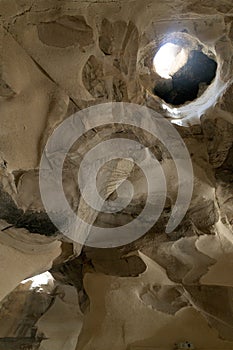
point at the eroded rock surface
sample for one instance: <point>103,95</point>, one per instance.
<point>58,58</point>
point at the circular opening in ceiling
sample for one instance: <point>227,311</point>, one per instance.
<point>184,73</point>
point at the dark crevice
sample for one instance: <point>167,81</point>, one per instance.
<point>17,343</point>
<point>72,273</point>
<point>185,84</point>
<point>7,228</point>
<point>34,222</point>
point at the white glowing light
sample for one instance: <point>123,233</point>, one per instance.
<point>172,111</point>
<point>169,59</point>
<point>39,280</point>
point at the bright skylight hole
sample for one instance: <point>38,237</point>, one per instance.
<point>169,59</point>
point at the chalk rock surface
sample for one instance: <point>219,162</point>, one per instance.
<point>88,126</point>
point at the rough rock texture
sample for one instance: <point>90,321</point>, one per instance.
<point>57,58</point>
